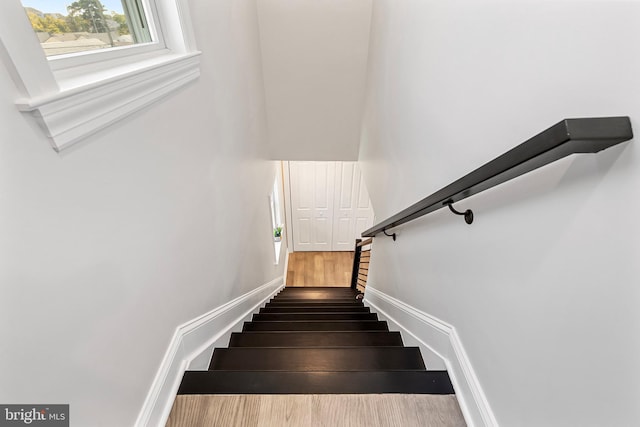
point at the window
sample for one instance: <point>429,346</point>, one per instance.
<point>277,225</point>
<point>66,27</point>
<point>83,65</point>
<point>276,219</point>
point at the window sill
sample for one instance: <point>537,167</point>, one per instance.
<point>90,102</point>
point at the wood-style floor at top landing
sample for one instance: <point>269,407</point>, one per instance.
<point>320,269</point>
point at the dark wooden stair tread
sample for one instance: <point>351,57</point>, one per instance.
<point>266,382</point>
<point>316,288</point>
<point>315,339</point>
<point>318,340</point>
<point>317,359</point>
<point>314,316</point>
<point>322,309</point>
<point>317,325</point>
<point>314,298</point>
<point>312,303</point>
<point>318,295</point>
<point>311,289</point>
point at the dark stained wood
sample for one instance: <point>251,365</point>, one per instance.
<point>323,309</point>
<point>316,303</point>
<point>315,339</point>
<point>336,325</point>
<point>313,316</point>
<point>265,382</point>
<point>317,359</point>
<point>570,136</point>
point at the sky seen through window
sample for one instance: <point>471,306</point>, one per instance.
<point>60,6</point>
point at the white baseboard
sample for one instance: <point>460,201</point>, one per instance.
<point>192,342</point>
<point>437,339</point>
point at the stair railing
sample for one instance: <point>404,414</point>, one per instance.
<point>570,136</point>
<point>361,258</point>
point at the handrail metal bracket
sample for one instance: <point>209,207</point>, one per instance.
<point>393,235</point>
<point>468,214</point>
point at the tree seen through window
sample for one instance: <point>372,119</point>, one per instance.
<point>87,24</point>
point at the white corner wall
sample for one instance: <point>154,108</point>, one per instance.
<point>107,248</point>
<point>543,288</point>
<point>315,60</point>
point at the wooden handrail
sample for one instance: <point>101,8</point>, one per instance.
<point>570,136</point>
<point>365,242</point>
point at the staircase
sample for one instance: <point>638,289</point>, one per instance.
<point>316,341</point>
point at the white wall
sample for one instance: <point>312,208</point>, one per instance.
<point>106,248</point>
<point>543,287</point>
<point>315,57</point>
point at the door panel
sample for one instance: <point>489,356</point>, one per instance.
<point>342,233</point>
<point>343,223</point>
<point>330,205</point>
<point>304,225</point>
<point>312,188</point>
<point>323,232</point>
<point>344,173</point>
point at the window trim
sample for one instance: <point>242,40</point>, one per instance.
<point>80,59</point>
<point>75,101</point>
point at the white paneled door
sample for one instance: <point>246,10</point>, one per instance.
<point>330,205</point>
<point>352,212</point>
<point>312,194</point>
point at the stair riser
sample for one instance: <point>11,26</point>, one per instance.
<point>225,382</point>
<point>328,309</point>
<point>325,292</point>
<point>312,299</point>
<point>313,316</point>
<point>332,303</point>
<point>317,359</point>
<point>317,290</point>
<point>315,339</point>
<point>321,291</point>
<point>316,295</point>
<point>368,325</point>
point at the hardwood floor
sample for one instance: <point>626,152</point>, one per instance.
<point>319,269</point>
<point>401,410</point>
